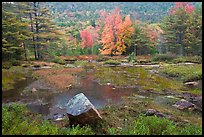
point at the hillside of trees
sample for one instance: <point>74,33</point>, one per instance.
<point>71,29</point>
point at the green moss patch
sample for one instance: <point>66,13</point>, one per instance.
<point>184,73</point>
<point>134,76</point>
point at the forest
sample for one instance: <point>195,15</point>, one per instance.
<point>102,68</point>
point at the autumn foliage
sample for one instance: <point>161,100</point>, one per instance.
<point>115,33</point>
<point>88,36</point>
<point>185,5</point>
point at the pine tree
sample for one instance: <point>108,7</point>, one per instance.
<point>42,28</point>
<point>14,33</point>
<point>139,42</point>
<point>177,27</point>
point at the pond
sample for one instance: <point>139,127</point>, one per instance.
<point>47,101</point>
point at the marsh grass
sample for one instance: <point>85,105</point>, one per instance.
<point>60,77</point>
<point>135,76</point>
<point>12,75</point>
<point>184,73</point>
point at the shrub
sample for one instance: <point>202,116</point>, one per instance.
<point>153,125</point>
<point>17,120</point>
<point>31,59</point>
<point>101,58</point>
<point>163,57</point>
<point>25,65</point>
<point>191,130</point>
<point>193,59</point>
<point>58,60</point>
<point>6,65</point>
<point>131,57</point>
<point>70,59</point>
<point>112,62</point>
<point>16,62</point>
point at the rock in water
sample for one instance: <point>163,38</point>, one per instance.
<point>81,111</point>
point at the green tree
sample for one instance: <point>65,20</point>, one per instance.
<point>14,33</point>
<point>139,42</point>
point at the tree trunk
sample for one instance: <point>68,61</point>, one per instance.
<point>37,29</point>
<point>25,51</point>
<point>135,50</point>
<point>33,38</point>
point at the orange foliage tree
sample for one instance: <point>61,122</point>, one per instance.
<point>115,33</point>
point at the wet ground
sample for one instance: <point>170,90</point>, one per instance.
<point>49,102</point>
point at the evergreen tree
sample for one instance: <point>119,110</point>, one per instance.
<point>14,33</point>
<point>139,43</point>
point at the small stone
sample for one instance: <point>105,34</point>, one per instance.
<point>108,83</point>
<point>150,112</point>
<point>183,104</point>
<point>191,83</point>
<point>33,90</point>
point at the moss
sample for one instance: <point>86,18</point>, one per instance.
<point>12,75</point>
<point>25,65</point>
<point>135,76</point>
<point>70,59</point>
<point>101,58</point>
<point>196,91</point>
<point>193,59</point>
<point>184,72</point>
<point>112,62</point>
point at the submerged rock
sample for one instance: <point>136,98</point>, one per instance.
<point>81,111</point>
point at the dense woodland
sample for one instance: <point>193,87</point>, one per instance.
<point>30,30</point>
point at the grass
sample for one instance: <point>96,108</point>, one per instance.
<point>17,120</point>
<point>192,59</point>
<point>12,75</point>
<point>134,76</point>
<point>128,119</point>
<point>58,60</point>
<point>184,73</point>
<point>112,62</point>
<point>145,125</point>
<point>163,57</point>
<point>125,119</point>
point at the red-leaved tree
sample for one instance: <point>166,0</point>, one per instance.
<point>185,5</point>
<point>89,37</point>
